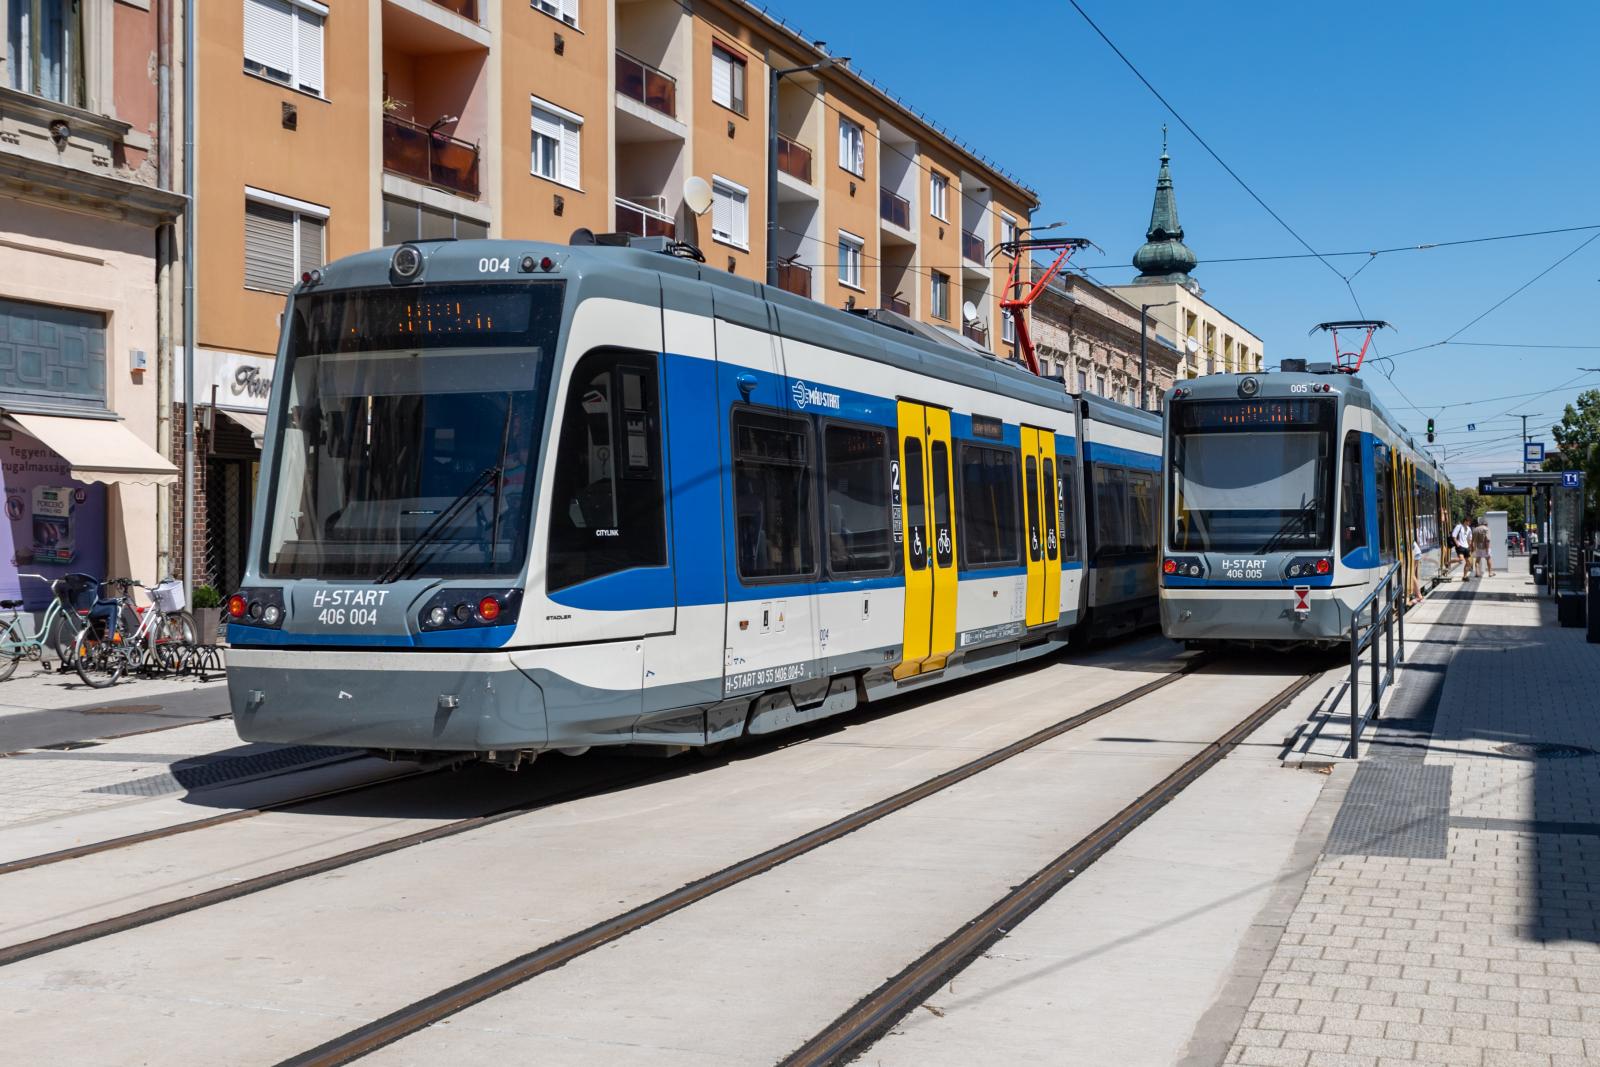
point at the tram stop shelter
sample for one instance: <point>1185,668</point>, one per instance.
<point>1556,510</point>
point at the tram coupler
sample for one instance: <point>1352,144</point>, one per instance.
<point>512,760</point>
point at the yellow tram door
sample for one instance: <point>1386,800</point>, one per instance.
<point>927,489</point>
<point>1041,517</point>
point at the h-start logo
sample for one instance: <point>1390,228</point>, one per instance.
<point>810,396</point>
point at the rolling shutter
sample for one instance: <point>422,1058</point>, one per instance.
<point>570,159</point>
<point>730,212</point>
<point>569,11</point>
<point>313,247</point>
<point>721,213</point>
<point>269,34</point>
<point>268,247</point>
<point>568,135</point>
<point>721,78</point>
<point>308,48</point>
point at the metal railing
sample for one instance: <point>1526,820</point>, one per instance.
<point>415,151</point>
<point>972,246</point>
<point>794,159</point>
<point>467,9</point>
<point>795,278</point>
<point>896,303</point>
<point>892,207</point>
<point>637,216</point>
<point>1385,607</point>
<point>653,88</point>
<point>976,332</point>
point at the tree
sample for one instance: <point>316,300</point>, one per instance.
<point>1578,439</point>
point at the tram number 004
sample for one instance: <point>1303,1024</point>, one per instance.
<point>348,616</point>
<point>491,265</point>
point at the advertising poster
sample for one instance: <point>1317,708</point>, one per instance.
<point>54,525</point>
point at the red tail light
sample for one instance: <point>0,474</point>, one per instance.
<point>488,609</point>
<point>237,606</point>
<point>1323,566</point>
<point>1170,567</point>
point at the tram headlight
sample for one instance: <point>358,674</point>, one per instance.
<point>1249,387</point>
<point>465,608</point>
<point>1182,567</point>
<point>257,607</point>
<point>407,262</point>
<point>271,615</point>
<point>437,615</point>
<point>463,612</point>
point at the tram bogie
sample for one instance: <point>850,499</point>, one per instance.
<point>621,498</point>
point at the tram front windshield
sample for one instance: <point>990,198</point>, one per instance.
<point>410,432</point>
<point>1251,476</point>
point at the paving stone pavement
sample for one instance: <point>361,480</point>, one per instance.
<point>1491,954</point>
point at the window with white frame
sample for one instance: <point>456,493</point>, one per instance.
<point>939,196</point>
<point>730,212</point>
<point>727,79</point>
<point>1008,229</point>
<point>283,238</point>
<point>852,147</point>
<point>557,143</point>
<point>565,10</point>
<point>850,249</point>
<point>45,46</point>
<point>1008,328</point>
<point>283,41</point>
<point>941,296</point>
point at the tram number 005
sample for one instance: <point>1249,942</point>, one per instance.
<point>348,616</point>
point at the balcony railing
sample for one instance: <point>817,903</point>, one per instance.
<point>639,81</point>
<point>644,216</point>
<point>895,303</point>
<point>794,159</point>
<point>795,278</point>
<point>467,9</point>
<point>894,208</point>
<point>971,246</point>
<point>976,331</point>
<point>429,156</point>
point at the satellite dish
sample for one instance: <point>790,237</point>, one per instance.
<point>969,311</point>
<point>581,236</point>
<point>697,194</point>
<point>1190,345</point>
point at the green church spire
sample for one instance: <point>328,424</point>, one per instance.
<point>1164,259</point>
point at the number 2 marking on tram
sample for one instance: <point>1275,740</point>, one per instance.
<point>490,265</point>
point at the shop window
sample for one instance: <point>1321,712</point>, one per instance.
<point>50,355</point>
<point>607,512</point>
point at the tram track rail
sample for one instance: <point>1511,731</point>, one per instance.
<point>874,1015</point>
<point>410,1019</point>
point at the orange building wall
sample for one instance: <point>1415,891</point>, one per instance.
<point>242,141</point>
<point>578,80</point>
<point>941,240</point>
<point>741,157</point>
<point>844,210</point>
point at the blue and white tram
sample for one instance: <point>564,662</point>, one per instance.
<point>522,497</point>
<point>1288,497</point>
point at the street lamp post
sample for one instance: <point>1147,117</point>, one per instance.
<point>1144,310</point>
<point>774,76</point>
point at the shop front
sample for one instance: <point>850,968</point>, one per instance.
<point>231,394</point>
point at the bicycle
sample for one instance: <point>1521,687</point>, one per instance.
<point>117,637</point>
<point>55,629</point>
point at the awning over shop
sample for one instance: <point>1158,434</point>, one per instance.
<point>98,450</point>
<point>254,421</point>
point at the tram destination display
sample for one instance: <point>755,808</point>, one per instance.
<point>1276,414</point>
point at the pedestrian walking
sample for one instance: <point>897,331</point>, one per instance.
<point>1481,560</point>
<point>1462,537</point>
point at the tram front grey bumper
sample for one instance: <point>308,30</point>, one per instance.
<point>1213,614</point>
<point>429,701</point>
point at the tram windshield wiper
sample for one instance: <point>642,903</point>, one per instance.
<point>1299,518</point>
<point>407,560</point>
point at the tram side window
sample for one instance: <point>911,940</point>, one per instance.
<point>856,477</point>
<point>1066,481</point>
<point>1385,480</point>
<point>1110,510</point>
<point>606,513</point>
<point>772,496</point>
<point>1352,506</point>
<point>989,530</point>
<point>1141,511</point>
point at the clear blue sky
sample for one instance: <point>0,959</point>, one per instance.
<point>1363,124</point>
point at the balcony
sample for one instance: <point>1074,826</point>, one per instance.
<point>645,216</point>
<point>894,208</point>
<point>638,80</point>
<point>895,303</point>
<point>971,246</point>
<point>794,159</point>
<point>795,278</point>
<point>428,156</point>
<point>976,332</point>
<point>467,9</point>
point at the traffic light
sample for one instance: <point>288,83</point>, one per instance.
<point>1430,431</point>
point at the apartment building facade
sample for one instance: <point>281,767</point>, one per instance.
<point>86,257</point>
<point>329,128</point>
<point>1088,336</point>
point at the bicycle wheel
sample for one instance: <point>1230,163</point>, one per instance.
<point>99,663</point>
<point>12,641</point>
<point>181,629</point>
<point>60,638</point>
